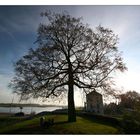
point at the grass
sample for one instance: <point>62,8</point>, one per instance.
<point>8,120</point>
<point>61,126</point>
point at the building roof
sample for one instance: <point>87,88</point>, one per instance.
<point>94,93</point>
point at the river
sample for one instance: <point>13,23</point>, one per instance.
<point>27,110</point>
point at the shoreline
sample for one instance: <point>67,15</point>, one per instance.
<point>6,113</point>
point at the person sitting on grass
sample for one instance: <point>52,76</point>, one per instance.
<point>44,123</point>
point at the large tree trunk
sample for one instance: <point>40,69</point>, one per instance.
<point>71,106</point>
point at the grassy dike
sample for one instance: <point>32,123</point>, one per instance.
<point>83,125</point>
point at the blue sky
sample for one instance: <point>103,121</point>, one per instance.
<point>18,31</point>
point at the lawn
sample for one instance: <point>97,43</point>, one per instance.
<point>61,126</point>
<point>7,120</point>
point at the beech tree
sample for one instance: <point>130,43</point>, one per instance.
<point>70,53</point>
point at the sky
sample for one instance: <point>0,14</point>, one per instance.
<point>18,32</point>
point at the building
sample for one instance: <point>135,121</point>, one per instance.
<point>94,102</point>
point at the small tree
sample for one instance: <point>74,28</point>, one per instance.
<point>69,54</point>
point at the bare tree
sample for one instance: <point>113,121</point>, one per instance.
<point>70,54</point>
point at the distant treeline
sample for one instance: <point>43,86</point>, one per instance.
<point>26,105</point>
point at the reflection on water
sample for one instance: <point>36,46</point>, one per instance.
<point>27,110</point>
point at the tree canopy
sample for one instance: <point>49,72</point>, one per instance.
<point>70,53</point>
<point>131,99</point>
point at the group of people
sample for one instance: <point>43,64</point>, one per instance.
<point>46,123</point>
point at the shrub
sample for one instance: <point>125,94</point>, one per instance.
<point>19,114</point>
<point>104,118</point>
<point>130,124</point>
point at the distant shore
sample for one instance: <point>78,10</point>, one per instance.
<point>6,114</point>
<point>27,105</point>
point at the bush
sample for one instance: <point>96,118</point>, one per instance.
<point>19,114</point>
<point>130,124</point>
<point>131,127</point>
<point>103,118</point>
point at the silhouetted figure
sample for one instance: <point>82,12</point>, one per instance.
<point>42,122</point>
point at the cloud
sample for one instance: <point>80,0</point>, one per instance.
<point>3,29</point>
<point>19,18</point>
<point>128,81</point>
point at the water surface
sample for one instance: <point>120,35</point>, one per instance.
<point>27,110</point>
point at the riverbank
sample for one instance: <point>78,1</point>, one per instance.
<point>86,123</point>
<point>83,125</point>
